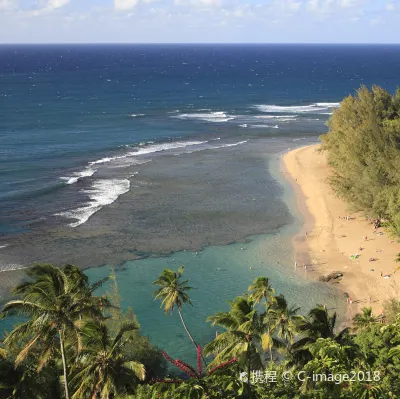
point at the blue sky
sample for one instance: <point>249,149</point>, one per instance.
<point>164,21</point>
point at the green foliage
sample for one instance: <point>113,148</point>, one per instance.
<point>107,358</point>
<point>102,367</point>
<point>392,309</point>
<point>363,148</point>
<point>138,347</point>
<point>242,336</point>
<point>364,319</point>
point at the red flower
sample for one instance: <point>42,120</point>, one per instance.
<point>220,366</point>
<point>199,364</point>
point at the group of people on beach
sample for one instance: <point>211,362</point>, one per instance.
<point>304,265</point>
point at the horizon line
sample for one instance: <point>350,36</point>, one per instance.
<point>205,43</point>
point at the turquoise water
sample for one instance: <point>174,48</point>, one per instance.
<point>218,274</point>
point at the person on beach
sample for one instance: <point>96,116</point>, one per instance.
<point>295,265</point>
<point>305,267</point>
<point>350,301</point>
<point>306,234</point>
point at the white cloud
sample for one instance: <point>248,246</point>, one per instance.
<point>50,6</point>
<point>280,8</point>
<point>8,5</point>
<point>54,4</point>
<point>329,6</point>
<point>200,3</point>
<point>389,6</point>
<point>125,4</point>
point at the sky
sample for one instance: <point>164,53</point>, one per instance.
<point>199,21</point>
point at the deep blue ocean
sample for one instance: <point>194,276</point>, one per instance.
<point>151,156</point>
<point>64,106</point>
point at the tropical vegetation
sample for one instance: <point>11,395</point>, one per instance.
<point>363,149</point>
<point>71,343</point>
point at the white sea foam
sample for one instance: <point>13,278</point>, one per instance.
<point>276,116</point>
<point>136,115</point>
<point>149,150</point>
<point>215,117</point>
<point>10,267</point>
<point>329,105</point>
<point>3,246</point>
<point>165,146</point>
<point>232,145</point>
<point>106,159</point>
<point>264,126</point>
<point>78,175</point>
<point>102,193</point>
<point>312,108</point>
<point>244,125</point>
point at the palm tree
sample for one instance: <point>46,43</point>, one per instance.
<point>364,319</point>
<point>173,293</point>
<point>55,300</point>
<point>283,318</point>
<point>242,337</point>
<point>261,289</point>
<point>318,324</point>
<point>102,368</point>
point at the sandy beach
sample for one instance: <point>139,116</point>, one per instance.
<point>332,234</point>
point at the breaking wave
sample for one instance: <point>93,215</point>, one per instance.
<point>102,193</point>
<point>215,117</point>
<point>312,108</point>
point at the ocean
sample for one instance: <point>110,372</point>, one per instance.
<point>151,156</point>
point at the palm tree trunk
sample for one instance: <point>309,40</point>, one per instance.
<point>249,369</point>
<point>190,335</point>
<point>270,347</point>
<point>60,332</point>
<point>269,330</point>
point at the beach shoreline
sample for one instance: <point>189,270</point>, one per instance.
<point>328,239</point>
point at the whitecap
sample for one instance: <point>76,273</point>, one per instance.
<point>232,145</point>
<point>316,107</point>
<point>293,109</point>
<point>328,105</point>
<point>102,193</point>
<point>11,267</point>
<point>215,117</point>
<point>165,146</point>
<point>78,175</point>
<point>276,116</point>
<point>143,150</point>
<point>264,126</point>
